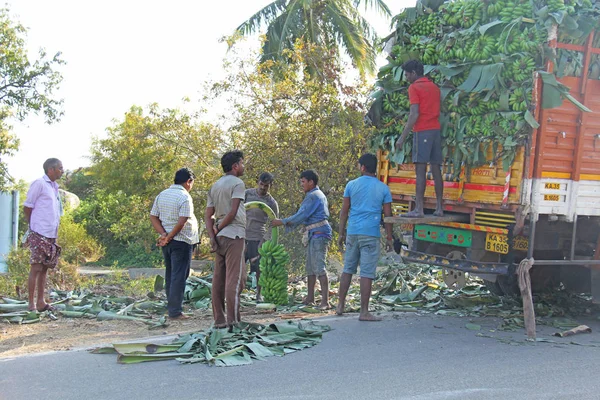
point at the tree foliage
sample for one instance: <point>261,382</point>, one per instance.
<point>26,85</point>
<point>131,167</point>
<point>326,23</point>
<point>296,123</point>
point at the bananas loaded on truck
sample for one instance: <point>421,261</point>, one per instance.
<point>486,56</point>
<point>273,263</point>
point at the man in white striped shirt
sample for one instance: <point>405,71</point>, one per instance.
<point>172,216</point>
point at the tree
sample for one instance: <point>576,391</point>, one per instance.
<point>297,123</point>
<point>326,23</point>
<point>26,85</point>
<point>131,166</point>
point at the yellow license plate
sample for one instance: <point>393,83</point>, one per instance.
<point>520,243</point>
<point>496,243</point>
<point>499,243</point>
<point>552,186</point>
<point>551,197</point>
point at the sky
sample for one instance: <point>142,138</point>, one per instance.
<point>121,53</point>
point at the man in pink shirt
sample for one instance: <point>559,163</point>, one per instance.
<point>42,210</point>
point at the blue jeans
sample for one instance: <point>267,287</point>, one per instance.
<point>363,250</point>
<point>316,256</point>
<point>178,257</point>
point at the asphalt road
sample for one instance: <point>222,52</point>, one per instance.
<point>407,356</point>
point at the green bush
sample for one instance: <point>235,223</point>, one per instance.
<point>78,247</point>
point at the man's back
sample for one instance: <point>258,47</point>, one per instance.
<point>172,203</point>
<point>367,196</point>
<point>426,94</point>
<point>221,193</point>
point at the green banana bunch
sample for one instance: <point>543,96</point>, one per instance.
<point>518,99</point>
<point>482,48</point>
<point>424,25</point>
<point>490,122</point>
<point>273,262</point>
<point>508,42</point>
<point>494,8</point>
<point>273,272</point>
<point>556,5</point>
<point>522,69</point>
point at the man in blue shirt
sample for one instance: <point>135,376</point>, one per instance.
<point>364,199</point>
<point>313,214</point>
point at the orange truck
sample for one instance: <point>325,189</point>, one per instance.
<point>546,206</point>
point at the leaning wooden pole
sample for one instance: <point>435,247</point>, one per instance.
<point>525,287</point>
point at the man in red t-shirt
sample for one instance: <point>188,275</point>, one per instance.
<point>424,120</point>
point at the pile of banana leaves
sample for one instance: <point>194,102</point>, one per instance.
<point>87,304</point>
<point>221,347</point>
<point>421,288</point>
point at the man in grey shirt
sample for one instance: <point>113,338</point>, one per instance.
<point>227,232</point>
<point>256,223</point>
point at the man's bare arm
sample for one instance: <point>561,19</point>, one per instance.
<point>343,220</point>
<point>157,225</point>
<point>412,120</point>
<point>27,211</point>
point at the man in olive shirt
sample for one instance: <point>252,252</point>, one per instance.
<point>227,232</point>
<point>256,222</point>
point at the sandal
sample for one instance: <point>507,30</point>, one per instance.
<point>47,307</point>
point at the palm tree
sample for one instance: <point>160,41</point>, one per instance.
<point>328,23</point>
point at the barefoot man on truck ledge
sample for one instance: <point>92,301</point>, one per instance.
<point>424,120</point>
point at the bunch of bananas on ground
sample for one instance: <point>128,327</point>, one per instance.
<point>273,262</point>
<point>424,25</point>
<point>273,272</point>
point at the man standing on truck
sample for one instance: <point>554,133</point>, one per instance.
<point>313,214</point>
<point>424,120</point>
<point>256,223</point>
<point>364,199</point>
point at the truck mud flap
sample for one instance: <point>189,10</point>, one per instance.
<point>459,265</point>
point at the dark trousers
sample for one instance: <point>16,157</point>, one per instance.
<point>178,257</point>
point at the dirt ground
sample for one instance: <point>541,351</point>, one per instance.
<point>74,333</point>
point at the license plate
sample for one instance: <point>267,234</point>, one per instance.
<point>499,243</point>
<point>520,243</point>
<point>496,243</point>
<point>552,186</point>
<point>551,197</point>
